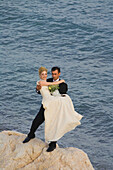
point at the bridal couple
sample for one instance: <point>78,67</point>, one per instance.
<point>56,110</point>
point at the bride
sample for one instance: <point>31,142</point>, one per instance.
<point>60,116</point>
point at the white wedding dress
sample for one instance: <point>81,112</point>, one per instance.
<point>60,116</point>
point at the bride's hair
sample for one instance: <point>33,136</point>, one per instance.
<point>41,69</point>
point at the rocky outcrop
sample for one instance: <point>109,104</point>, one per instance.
<point>33,156</point>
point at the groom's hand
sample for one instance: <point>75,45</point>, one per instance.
<point>63,95</point>
<point>38,87</point>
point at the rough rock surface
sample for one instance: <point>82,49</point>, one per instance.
<point>33,156</point>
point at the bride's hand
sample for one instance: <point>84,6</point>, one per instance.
<point>62,81</point>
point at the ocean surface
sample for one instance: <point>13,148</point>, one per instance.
<point>77,36</point>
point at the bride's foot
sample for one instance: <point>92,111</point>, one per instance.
<point>51,147</point>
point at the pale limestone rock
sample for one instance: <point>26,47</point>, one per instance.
<point>14,155</point>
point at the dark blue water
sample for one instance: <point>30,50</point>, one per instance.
<point>77,36</point>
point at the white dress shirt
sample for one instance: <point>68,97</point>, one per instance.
<point>56,80</point>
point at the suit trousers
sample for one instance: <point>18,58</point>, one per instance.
<point>39,119</point>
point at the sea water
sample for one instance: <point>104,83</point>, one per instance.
<point>77,36</point>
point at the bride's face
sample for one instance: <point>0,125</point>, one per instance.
<point>43,75</point>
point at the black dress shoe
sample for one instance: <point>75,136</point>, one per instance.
<point>27,139</point>
<point>52,146</point>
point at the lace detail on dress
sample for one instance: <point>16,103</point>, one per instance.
<point>56,93</point>
<point>45,92</point>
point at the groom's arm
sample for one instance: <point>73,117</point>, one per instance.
<point>63,88</point>
<point>38,87</point>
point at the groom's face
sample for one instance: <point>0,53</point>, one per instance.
<point>55,74</point>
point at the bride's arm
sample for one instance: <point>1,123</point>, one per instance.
<point>44,83</point>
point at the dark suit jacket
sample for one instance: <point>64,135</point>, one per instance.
<point>63,87</point>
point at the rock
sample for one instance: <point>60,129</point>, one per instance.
<point>15,155</point>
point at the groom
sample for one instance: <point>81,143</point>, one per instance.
<point>39,119</point>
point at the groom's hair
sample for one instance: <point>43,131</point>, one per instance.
<point>55,68</point>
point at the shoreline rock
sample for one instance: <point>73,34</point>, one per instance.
<point>33,156</point>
